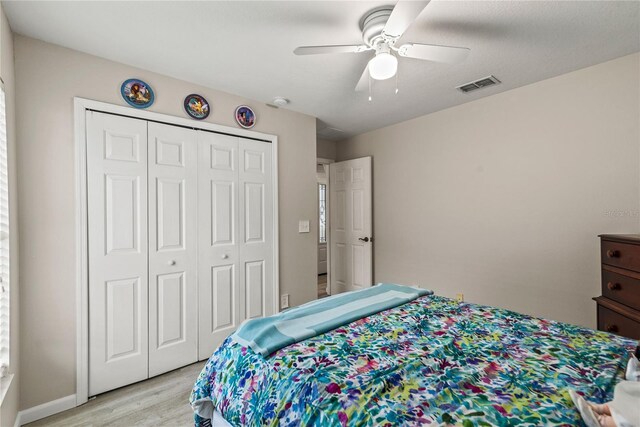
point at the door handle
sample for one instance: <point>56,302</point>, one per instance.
<point>364,239</point>
<point>225,256</point>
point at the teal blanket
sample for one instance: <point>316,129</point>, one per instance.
<point>268,334</point>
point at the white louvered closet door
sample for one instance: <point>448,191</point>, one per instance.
<point>117,207</point>
<point>173,247</point>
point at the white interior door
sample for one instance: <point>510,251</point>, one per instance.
<point>235,235</point>
<point>173,247</point>
<point>117,207</point>
<point>218,255</point>
<point>351,225</point>
<point>257,298</point>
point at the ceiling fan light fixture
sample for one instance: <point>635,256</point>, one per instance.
<point>383,66</point>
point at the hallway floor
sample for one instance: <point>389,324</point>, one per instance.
<point>322,286</point>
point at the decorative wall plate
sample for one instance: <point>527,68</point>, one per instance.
<point>196,106</point>
<point>245,117</point>
<point>137,93</point>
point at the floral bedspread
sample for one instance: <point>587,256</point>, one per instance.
<point>430,361</point>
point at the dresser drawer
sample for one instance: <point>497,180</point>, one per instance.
<point>610,321</point>
<point>624,289</point>
<point>621,255</point>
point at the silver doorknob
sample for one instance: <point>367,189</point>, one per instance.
<point>172,262</point>
<point>225,256</point>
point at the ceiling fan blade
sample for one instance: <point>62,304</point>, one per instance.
<point>318,50</point>
<point>403,15</point>
<point>363,83</point>
<point>432,52</point>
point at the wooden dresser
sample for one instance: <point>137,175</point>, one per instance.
<point>619,305</point>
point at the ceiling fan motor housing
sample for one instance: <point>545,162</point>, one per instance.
<point>373,24</point>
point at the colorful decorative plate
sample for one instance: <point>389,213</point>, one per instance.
<point>137,93</point>
<point>245,117</point>
<point>196,106</point>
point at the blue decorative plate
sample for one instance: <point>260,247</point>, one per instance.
<point>196,106</point>
<point>245,117</point>
<point>137,93</point>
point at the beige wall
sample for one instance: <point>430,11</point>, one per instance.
<point>9,407</point>
<point>326,149</point>
<point>49,77</point>
<point>502,198</point>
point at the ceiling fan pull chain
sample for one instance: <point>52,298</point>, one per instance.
<point>397,82</point>
<point>370,98</point>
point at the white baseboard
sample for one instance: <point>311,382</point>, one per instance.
<point>45,410</point>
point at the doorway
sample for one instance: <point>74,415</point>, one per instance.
<point>345,225</point>
<point>322,173</point>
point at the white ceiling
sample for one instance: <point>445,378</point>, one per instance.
<point>246,48</point>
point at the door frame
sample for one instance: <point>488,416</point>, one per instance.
<point>81,105</point>
<point>322,161</point>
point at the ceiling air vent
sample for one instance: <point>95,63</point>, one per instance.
<point>478,84</point>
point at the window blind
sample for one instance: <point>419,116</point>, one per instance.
<point>4,242</point>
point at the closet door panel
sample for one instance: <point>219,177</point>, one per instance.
<point>219,311</point>
<point>256,234</point>
<point>117,208</point>
<point>173,246</point>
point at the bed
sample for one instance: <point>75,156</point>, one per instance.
<point>431,360</point>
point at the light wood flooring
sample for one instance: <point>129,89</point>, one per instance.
<point>159,401</point>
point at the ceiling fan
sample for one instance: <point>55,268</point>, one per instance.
<point>381,30</point>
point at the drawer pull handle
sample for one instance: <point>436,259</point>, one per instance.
<point>613,286</point>
<point>613,253</point>
<point>611,328</point>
